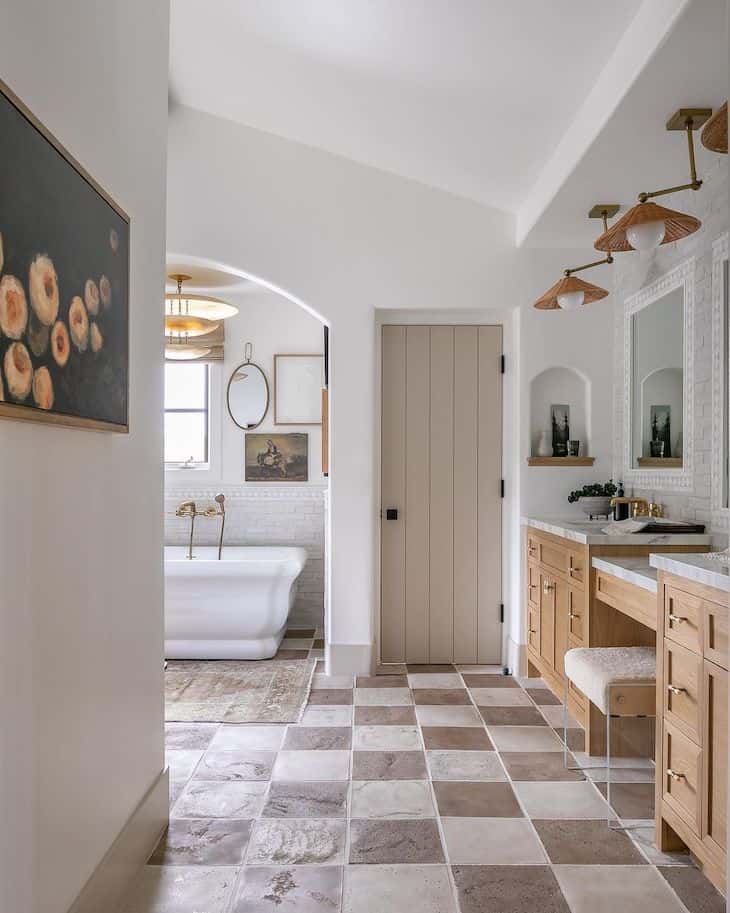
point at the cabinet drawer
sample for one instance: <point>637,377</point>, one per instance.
<point>682,682</point>
<point>716,633</point>
<point>576,567</point>
<point>681,774</point>
<point>576,619</point>
<point>533,584</point>
<point>683,618</point>
<point>553,557</point>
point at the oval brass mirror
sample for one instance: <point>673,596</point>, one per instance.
<point>248,395</point>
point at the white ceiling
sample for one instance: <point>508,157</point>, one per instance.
<point>470,96</point>
<point>633,151</point>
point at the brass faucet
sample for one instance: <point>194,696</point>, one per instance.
<point>639,507</point>
<point>188,509</point>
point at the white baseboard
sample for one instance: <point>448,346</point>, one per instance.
<point>131,849</point>
<point>349,659</point>
<point>516,657</point>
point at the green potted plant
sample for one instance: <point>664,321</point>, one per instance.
<point>595,499</point>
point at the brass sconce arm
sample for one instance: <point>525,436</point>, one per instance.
<point>602,212</point>
<point>688,121</point>
<point>579,269</point>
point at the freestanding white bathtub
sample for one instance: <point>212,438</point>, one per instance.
<point>235,608</point>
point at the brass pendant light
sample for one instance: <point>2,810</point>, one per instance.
<point>570,292</point>
<point>714,136</point>
<point>189,315</point>
<point>647,225</point>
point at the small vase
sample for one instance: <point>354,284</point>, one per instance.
<point>545,444</point>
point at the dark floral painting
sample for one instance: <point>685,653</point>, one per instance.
<point>64,284</point>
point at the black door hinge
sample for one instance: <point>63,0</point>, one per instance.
<point>502,364</point>
<point>501,488</point>
<point>501,613</point>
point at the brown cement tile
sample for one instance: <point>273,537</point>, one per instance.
<point>695,891</point>
<point>385,716</point>
<point>434,696</point>
<point>539,765</point>
<point>586,843</point>
<point>512,716</point>
<point>456,738</point>
<point>460,799</point>
<point>508,889</point>
<point>477,680</point>
<point>394,842</point>
<point>388,765</point>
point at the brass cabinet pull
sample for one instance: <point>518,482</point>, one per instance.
<point>548,587</point>
<point>531,586</point>
<point>675,775</point>
<point>573,570</point>
<point>532,630</point>
<point>573,615</point>
<point>673,689</point>
<point>678,619</point>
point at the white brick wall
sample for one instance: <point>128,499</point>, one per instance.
<point>263,515</point>
<point>633,271</point>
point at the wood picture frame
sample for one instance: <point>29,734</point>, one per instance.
<point>64,270</point>
<point>297,394</point>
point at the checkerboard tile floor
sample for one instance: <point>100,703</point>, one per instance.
<point>432,788</point>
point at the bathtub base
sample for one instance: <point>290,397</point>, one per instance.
<point>261,648</point>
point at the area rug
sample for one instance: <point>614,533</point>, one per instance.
<point>232,691</point>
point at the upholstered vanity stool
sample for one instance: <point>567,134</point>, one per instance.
<point>621,682</point>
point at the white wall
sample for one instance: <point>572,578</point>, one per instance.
<point>286,513</point>
<point>346,239</point>
<point>80,528</point>
<point>582,341</point>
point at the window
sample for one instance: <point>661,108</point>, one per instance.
<point>186,414</point>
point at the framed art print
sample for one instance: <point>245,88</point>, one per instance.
<point>64,284</point>
<point>298,381</point>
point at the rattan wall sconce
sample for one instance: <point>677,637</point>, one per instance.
<point>714,136</point>
<point>570,292</point>
<point>647,225</point>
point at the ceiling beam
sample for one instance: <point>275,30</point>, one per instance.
<point>650,28</point>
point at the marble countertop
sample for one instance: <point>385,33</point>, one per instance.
<point>714,572</point>
<point>590,532</point>
<point>633,570</point>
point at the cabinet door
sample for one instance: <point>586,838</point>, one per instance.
<point>533,584</point>
<point>562,600</point>
<point>714,737</point>
<point>576,618</point>
<point>547,619</point>
<point>533,628</point>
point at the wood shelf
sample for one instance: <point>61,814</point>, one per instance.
<point>560,461</point>
<point>661,462</point>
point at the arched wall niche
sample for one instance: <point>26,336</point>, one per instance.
<point>561,385</point>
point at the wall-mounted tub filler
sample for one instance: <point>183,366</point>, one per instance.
<point>189,509</point>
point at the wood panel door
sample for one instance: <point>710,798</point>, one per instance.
<point>441,507</point>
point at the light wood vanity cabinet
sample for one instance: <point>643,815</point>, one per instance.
<point>556,603</point>
<point>570,604</point>
<point>692,725</point>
